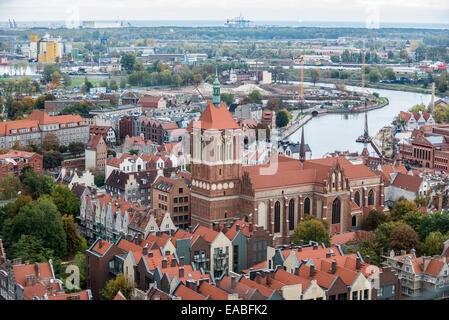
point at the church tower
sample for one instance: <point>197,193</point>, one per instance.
<point>216,163</point>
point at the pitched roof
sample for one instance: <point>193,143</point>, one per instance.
<point>208,234</point>
<point>407,182</point>
<point>119,296</point>
<point>215,118</point>
<point>187,294</point>
<point>93,142</point>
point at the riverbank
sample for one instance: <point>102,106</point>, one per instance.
<point>383,86</point>
<point>296,124</point>
<point>382,104</point>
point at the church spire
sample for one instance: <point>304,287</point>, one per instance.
<point>216,96</point>
<point>302,148</point>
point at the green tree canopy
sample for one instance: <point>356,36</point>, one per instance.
<point>373,219</point>
<point>256,96</point>
<point>65,200</point>
<point>227,98</point>
<point>312,229</point>
<point>28,248</point>
<point>36,184</point>
<point>281,119</point>
<point>10,186</point>
<point>402,207</point>
<point>120,283</point>
<point>434,243</point>
<point>42,220</point>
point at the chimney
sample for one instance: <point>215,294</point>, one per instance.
<point>301,243</point>
<point>296,271</point>
<point>145,249</point>
<point>49,290</point>
<point>237,227</point>
<point>333,266</point>
<point>27,262</point>
<point>100,243</point>
<point>368,259</point>
<point>251,226</point>
<point>312,271</point>
<point>232,282</point>
<point>181,272</point>
<point>315,246</point>
<point>357,263</point>
<point>181,261</point>
<point>36,268</point>
<point>164,263</point>
<point>403,252</point>
<point>299,248</point>
<point>173,262</point>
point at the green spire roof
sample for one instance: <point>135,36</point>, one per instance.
<point>216,97</point>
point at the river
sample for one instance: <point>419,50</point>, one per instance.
<point>331,132</point>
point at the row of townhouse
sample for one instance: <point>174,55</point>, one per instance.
<point>36,281</point>
<point>200,252</point>
<point>107,217</point>
<point>424,277</point>
<point>33,129</point>
<point>340,276</point>
<point>129,163</point>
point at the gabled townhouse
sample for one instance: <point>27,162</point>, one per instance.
<point>244,292</point>
<point>421,277</point>
<point>138,143</point>
<point>106,132</point>
<point>70,177</point>
<point>95,153</point>
<point>250,243</point>
<point>221,250</point>
<point>415,120</point>
<point>131,186</point>
<point>25,281</point>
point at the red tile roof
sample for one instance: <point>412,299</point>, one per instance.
<point>407,182</point>
<point>215,118</point>
<point>187,294</point>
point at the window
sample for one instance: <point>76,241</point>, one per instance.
<point>277,217</point>
<point>175,200</point>
<point>186,208</point>
<point>307,206</point>
<point>365,294</point>
<point>186,199</point>
<point>371,197</point>
<point>354,295</point>
<point>291,214</point>
<point>336,206</point>
<point>357,198</point>
<point>180,190</point>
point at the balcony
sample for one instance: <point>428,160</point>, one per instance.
<point>199,259</point>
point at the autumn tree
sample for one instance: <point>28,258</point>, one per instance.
<point>401,208</point>
<point>113,286</point>
<point>373,219</point>
<point>72,238</point>
<point>434,243</point>
<point>404,238</point>
<point>51,142</point>
<point>315,75</point>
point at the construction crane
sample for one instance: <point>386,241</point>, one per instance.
<point>108,53</point>
<point>301,80</point>
<point>363,73</point>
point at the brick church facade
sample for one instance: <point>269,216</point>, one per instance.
<point>278,195</point>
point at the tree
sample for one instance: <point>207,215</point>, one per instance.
<point>99,178</point>
<point>134,152</point>
<point>122,83</point>
<point>401,208</point>
<point>383,232</point>
<point>312,229</point>
<point>128,60</point>
<point>42,220</point>
<point>436,221</point>
<point>404,238</point>
<point>373,220</point>
<point>28,248</point>
<point>434,243</point>
<point>65,200</point>
<point>227,98</point>
<point>56,79</point>
<point>113,85</point>
<point>10,186</point>
<point>113,286</point>
<point>36,184</point>
<point>274,104</point>
<point>49,69</point>
<point>52,159</point>
<point>66,80</point>
<point>281,119</point>
<point>197,79</point>
<point>72,238</point>
<point>417,108</point>
<point>256,96</point>
<point>76,148</point>
<point>315,75</point>
<point>374,76</point>
<point>51,142</point>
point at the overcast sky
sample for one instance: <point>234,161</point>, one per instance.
<point>422,11</point>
